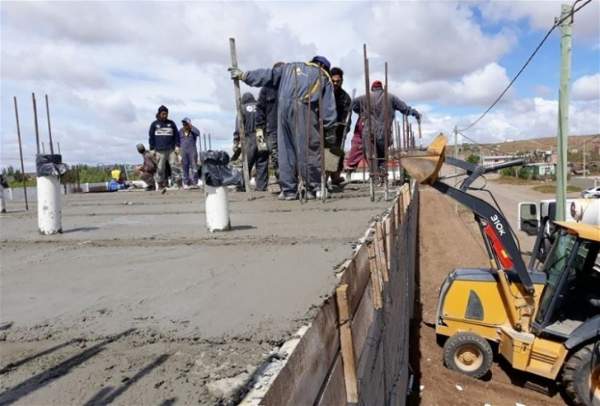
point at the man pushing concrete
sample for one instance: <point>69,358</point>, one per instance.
<point>376,120</point>
<point>301,85</point>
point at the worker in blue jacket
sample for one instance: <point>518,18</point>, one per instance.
<point>163,139</point>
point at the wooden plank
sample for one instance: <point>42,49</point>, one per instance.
<point>347,347</point>
<point>300,380</point>
<point>380,250</point>
<point>357,276</point>
<point>361,322</point>
<point>334,392</point>
<point>374,269</point>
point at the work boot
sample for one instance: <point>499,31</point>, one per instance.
<point>287,196</point>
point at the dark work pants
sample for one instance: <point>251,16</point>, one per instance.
<point>299,146</point>
<point>259,160</point>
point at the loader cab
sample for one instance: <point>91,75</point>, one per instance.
<point>572,291</point>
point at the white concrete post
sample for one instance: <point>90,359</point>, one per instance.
<point>49,203</point>
<point>217,209</point>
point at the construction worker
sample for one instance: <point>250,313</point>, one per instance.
<point>343,103</point>
<point>376,121</point>
<point>147,170</point>
<point>266,120</point>
<point>188,135</point>
<point>301,85</point>
<point>257,152</point>
<point>163,139</point>
<point>357,152</point>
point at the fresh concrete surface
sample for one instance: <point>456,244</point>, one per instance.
<point>213,304</point>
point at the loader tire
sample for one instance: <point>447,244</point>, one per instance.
<point>581,383</point>
<point>469,354</point>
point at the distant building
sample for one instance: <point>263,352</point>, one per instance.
<point>541,170</point>
<point>496,159</point>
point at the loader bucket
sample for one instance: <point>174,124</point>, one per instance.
<point>424,166</point>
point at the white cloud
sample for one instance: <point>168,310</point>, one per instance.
<point>107,66</point>
<point>479,88</point>
<point>541,15</point>
<point>587,88</point>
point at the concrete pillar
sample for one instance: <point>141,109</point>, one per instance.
<point>49,205</point>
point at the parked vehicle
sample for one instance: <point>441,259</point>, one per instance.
<point>591,193</point>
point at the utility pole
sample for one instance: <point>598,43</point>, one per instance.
<point>455,153</point>
<point>584,153</point>
<point>563,110</point>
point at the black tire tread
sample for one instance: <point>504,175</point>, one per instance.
<point>463,338</point>
<point>574,364</point>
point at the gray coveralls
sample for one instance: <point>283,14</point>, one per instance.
<point>377,119</point>
<point>298,139</point>
<point>189,155</point>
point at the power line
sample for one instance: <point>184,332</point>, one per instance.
<point>556,24</point>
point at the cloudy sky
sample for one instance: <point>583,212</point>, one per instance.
<point>107,66</point>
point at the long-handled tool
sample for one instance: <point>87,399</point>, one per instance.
<point>386,135</point>
<point>300,169</point>
<point>370,139</point>
<point>240,119</point>
<point>322,143</point>
<point>21,154</point>
<point>49,129</point>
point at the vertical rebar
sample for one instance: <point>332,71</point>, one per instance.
<point>209,142</point>
<point>43,148</point>
<point>370,139</point>
<point>58,146</point>
<point>321,141</point>
<point>49,129</point>
<point>35,121</point>
<point>205,144</point>
<point>21,154</point>
<point>386,135</point>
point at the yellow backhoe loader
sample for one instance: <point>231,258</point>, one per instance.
<point>543,322</point>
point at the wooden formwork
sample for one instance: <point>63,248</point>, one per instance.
<point>356,349</point>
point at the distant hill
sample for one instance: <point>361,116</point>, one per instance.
<point>547,143</point>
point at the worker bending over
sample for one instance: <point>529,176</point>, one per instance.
<point>301,85</point>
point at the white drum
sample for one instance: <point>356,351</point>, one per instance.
<point>217,209</point>
<point>49,204</point>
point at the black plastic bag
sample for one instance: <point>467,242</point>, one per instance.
<point>50,165</point>
<point>216,169</point>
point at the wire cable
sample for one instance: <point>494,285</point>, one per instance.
<point>535,51</point>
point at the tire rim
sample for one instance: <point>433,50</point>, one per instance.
<point>468,358</point>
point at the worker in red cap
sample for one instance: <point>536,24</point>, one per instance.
<point>377,121</point>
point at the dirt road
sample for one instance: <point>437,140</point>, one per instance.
<point>137,303</point>
<point>448,241</point>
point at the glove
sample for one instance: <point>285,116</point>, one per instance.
<point>237,151</point>
<point>236,74</point>
<point>177,150</point>
<point>260,140</point>
<point>330,137</point>
<point>417,115</point>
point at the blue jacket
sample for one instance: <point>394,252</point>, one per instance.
<point>163,135</point>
